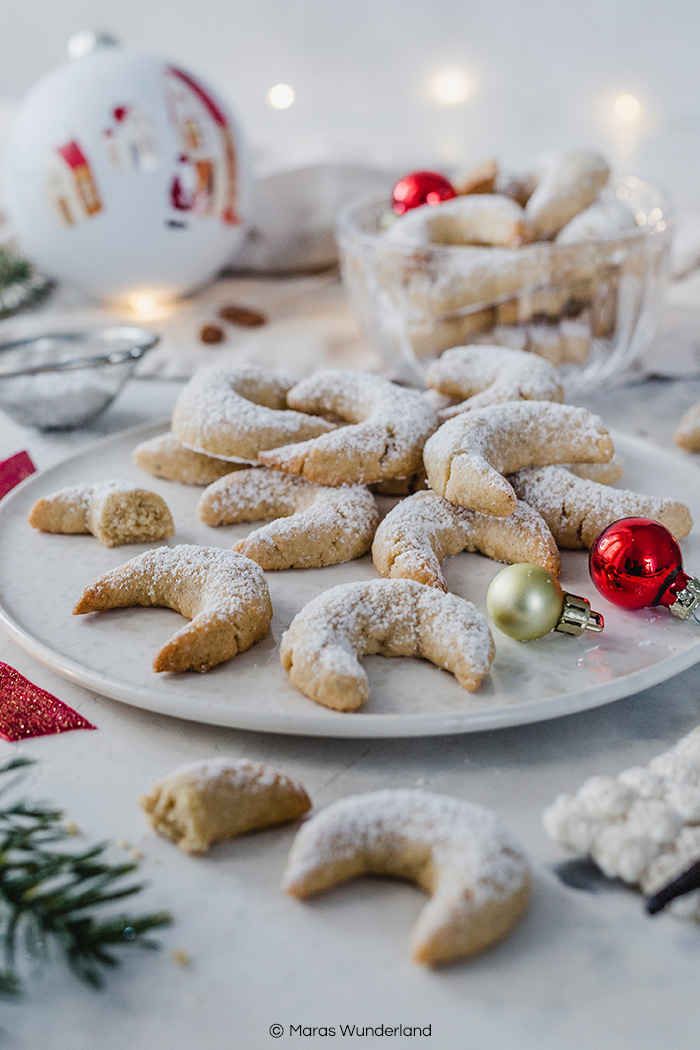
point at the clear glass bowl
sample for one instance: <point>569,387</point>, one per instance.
<point>64,380</point>
<point>592,309</point>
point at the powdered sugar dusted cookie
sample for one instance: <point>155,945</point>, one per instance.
<point>642,826</point>
<point>223,594</point>
<point>577,510</point>
<point>315,524</point>
<point>389,426</point>
<point>116,512</point>
<point>321,649</point>
<point>420,531</point>
<point>604,220</point>
<point>487,375</point>
<point>467,457</point>
<point>480,178</point>
<point>474,869</point>
<point>165,457</point>
<point>219,798</point>
<point>570,181</point>
<point>687,434</point>
<point>603,473</point>
<point>477,218</point>
<point>233,415</point>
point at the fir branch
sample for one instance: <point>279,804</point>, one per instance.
<point>20,283</point>
<point>48,894</point>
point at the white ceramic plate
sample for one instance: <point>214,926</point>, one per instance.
<point>41,576</point>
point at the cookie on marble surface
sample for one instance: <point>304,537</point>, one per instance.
<point>474,869</point>
<point>165,457</point>
<point>467,458</point>
<point>219,798</point>
<point>388,425</point>
<point>222,593</point>
<point>116,512</point>
<point>235,414</point>
<point>314,524</point>
<point>423,529</point>
<point>322,647</point>
<point>577,509</point>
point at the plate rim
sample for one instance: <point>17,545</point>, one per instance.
<point>326,723</point>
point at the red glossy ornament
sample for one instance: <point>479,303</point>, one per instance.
<point>637,563</point>
<point>421,187</point>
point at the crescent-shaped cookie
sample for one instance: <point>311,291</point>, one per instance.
<point>233,415</point>
<point>477,218</point>
<point>570,181</point>
<point>488,375</point>
<point>219,798</point>
<point>165,457</point>
<point>223,594</point>
<point>321,649</point>
<point>420,531</point>
<point>603,221</point>
<point>116,512</point>
<point>389,426</point>
<point>467,457</point>
<point>603,473</point>
<point>474,869</point>
<point>577,510</point>
<point>314,524</point>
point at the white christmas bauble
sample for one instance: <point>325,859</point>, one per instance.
<point>126,175</point>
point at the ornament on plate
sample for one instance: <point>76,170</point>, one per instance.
<point>125,175</point>
<point>526,601</point>
<point>636,563</point>
<point>421,187</point>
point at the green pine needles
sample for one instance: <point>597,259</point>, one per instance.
<point>49,894</point>
<point>20,284</point>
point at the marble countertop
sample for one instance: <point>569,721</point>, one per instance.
<point>585,968</point>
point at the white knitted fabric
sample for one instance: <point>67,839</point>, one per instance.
<point>642,826</point>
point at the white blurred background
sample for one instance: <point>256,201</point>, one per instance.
<point>413,83</point>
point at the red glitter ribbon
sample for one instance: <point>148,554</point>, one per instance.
<point>14,470</point>
<point>26,710</point>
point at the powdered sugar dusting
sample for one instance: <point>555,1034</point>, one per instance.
<point>389,425</point>
<point>486,375</point>
<point>237,413</point>
<point>472,850</point>
<point>236,772</point>
<point>577,510</point>
<point>314,524</point>
<point>389,617</point>
<point>536,431</point>
<point>424,528</point>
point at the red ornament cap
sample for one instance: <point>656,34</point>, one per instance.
<point>636,563</point>
<point>421,187</point>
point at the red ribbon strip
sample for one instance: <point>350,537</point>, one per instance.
<point>14,470</point>
<point>26,710</point>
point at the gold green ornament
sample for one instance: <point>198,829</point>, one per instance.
<point>525,601</point>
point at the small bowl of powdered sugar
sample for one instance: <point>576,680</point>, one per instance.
<point>64,380</point>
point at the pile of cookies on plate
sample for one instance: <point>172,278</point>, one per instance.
<point>488,459</point>
<point>576,238</point>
